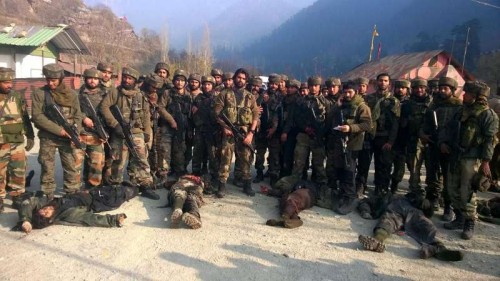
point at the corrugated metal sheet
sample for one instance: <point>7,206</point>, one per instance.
<point>64,38</point>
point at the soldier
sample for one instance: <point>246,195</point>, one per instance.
<point>309,119</point>
<point>14,123</point>
<point>227,80</point>
<point>175,109</point>
<point>94,145</point>
<point>289,102</point>
<point>217,75</point>
<point>186,197</point>
<point>401,92</point>
<point>206,130</point>
<point>282,87</point>
<point>194,84</point>
<point>365,154</point>
<point>494,104</point>
<point>304,89</point>
<point>433,85</point>
<point>242,111</point>
<point>161,69</point>
<point>152,84</point>
<point>76,209</point>
<point>347,122</point>
<point>135,110</point>
<point>53,136</point>
<point>412,118</point>
<point>333,87</point>
<point>443,107</point>
<point>267,137</point>
<point>468,140</point>
<point>385,118</point>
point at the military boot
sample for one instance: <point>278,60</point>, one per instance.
<point>191,220</point>
<point>273,179</point>
<point>221,191</point>
<point>1,205</point>
<point>468,232</point>
<point>457,223</point>
<point>237,182</point>
<point>440,252</point>
<point>259,177</point>
<point>176,216</point>
<point>448,214</point>
<point>323,197</point>
<point>371,244</point>
<point>148,192</point>
<point>348,205</point>
<point>247,188</point>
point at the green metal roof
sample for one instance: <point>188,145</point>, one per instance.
<point>63,37</point>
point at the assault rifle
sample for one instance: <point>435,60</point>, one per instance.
<point>89,110</point>
<point>344,139</point>
<point>154,152</point>
<point>237,133</point>
<point>318,128</point>
<point>129,142</point>
<point>55,114</point>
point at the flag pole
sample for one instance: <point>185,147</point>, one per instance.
<point>374,33</point>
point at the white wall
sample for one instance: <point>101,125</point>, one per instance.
<point>6,60</point>
<point>28,66</point>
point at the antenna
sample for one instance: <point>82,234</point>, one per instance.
<point>465,49</point>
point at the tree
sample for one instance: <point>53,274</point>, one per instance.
<point>465,42</point>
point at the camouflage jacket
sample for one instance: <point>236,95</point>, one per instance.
<point>310,112</point>
<point>14,119</point>
<point>95,98</point>
<point>203,119</point>
<point>443,110</point>
<point>238,105</point>
<point>385,110</point>
<point>174,106</point>
<point>412,117</point>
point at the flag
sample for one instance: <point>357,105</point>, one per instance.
<point>375,33</point>
<point>379,50</point>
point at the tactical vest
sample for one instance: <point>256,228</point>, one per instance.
<point>11,119</point>
<point>95,100</point>
<point>382,113</point>
<point>203,117</point>
<point>417,109</point>
<point>179,106</point>
<point>470,131</point>
<point>237,107</point>
<point>132,109</point>
<point>65,110</point>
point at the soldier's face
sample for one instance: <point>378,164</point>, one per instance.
<point>383,83</point>
<point>292,90</point>
<point>445,91</point>
<point>207,87</point>
<point>304,92</point>
<point>218,79</point>
<point>53,83</point>
<point>194,84</point>
<point>349,94</point>
<point>47,211</point>
<point>255,89</point>
<point>179,83</point>
<point>314,89</point>
<point>128,81</point>
<point>5,86</point>
<point>273,86</point>
<point>106,75</point>
<point>282,85</point>
<point>401,91</point>
<point>469,98</point>
<point>228,83</point>
<point>419,91</point>
<point>333,90</point>
<point>163,73</point>
<point>240,80</point>
<point>92,82</point>
<point>362,88</point>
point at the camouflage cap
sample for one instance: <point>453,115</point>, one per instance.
<point>242,70</point>
<point>418,82</point>
<point>129,71</point>
<point>161,65</point>
<point>195,76</point>
<point>304,85</point>
<point>293,83</point>
<point>227,76</point>
<point>448,81</point>
<point>154,80</point>
<point>477,88</point>
<point>314,80</point>
<point>180,72</point>
<point>92,73</point>
<point>256,81</point>
<point>348,85</point>
<point>209,79</point>
<point>284,77</point>
<point>401,83</point>
<point>53,71</point>
<point>362,81</point>
<point>7,74</point>
<point>274,78</point>
<point>216,72</point>
<point>333,81</point>
<point>102,66</point>
<point>434,82</point>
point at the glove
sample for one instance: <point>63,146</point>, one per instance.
<point>147,137</point>
<point>29,144</point>
<point>118,130</point>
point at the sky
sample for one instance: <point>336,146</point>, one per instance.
<point>180,17</point>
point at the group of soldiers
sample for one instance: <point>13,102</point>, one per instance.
<point>155,125</point>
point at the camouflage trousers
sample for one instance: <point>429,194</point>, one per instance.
<point>273,145</point>
<point>137,169</point>
<point>399,161</point>
<point>188,198</point>
<point>364,161</point>
<point>303,147</point>
<point>463,198</point>
<point>71,162</point>
<point>205,148</point>
<point>172,159</point>
<point>383,164</point>
<point>415,161</point>
<point>94,160</point>
<point>243,159</point>
<point>436,174</point>
<point>188,154</point>
<point>12,168</point>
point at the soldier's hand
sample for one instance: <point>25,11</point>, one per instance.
<point>194,109</point>
<point>284,136</point>
<point>248,139</point>
<point>64,134</point>
<point>260,109</point>
<point>344,128</point>
<point>118,130</point>
<point>445,149</point>
<point>173,125</point>
<point>485,168</point>
<point>29,144</point>
<point>228,132</point>
<point>387,147</point>
<point>270,132</point>
<point>88,122</point>
<point>26,227</point>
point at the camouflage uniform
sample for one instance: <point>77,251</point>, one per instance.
<point>135,110</point>
<point>289,102</point>
<point>469,139</point>
<point>93,154</point>
<point>366,153</point>
<point>14,122</point>
<point>494,104</point>
<point>175,108</point>
<point>400,145</point>
<point>241,109</point>
<point>49,133</point>
<point>186,197</point>
<point>190,134</point>
<point>356,114</point>
<point>385,119</point>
